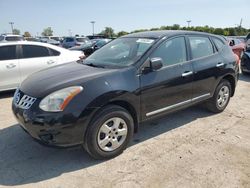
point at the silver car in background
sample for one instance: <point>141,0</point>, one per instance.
<point>20,59</point>
<point>69,42</point>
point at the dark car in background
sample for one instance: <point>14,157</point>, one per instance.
<point>69,42</point>
<point>90,47</point>
<point>245,62</point>
<point>101,101</point>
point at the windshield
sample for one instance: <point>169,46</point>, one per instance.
<point>120,52</point>
<point>82,40</point>
<point>55,38</point>
<point>87,44</point>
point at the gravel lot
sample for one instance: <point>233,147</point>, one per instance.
<point>191,148</point>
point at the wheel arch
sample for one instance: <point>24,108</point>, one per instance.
<point>232,82</point>
<point>124,99</point>
<point>130,108</point>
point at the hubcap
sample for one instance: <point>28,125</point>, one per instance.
<point>223,96</point>
<point>112,134</point>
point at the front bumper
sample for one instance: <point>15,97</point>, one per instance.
<point>63,129</point>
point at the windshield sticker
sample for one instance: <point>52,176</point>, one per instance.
<point>148,41</point>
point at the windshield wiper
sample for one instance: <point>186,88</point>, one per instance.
<point>93,65</point>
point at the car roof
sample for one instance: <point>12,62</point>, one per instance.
<point>165,33</point>
<point>11,35</point>
<point>32,43</point>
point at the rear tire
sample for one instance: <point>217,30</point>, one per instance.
<point>109,132</point>
<point>221,97</point>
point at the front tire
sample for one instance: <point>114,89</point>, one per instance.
<point>109,132</point>
<point>221,97</point>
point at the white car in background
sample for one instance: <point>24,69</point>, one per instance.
<point>10,37</point>
<point>22,58</point>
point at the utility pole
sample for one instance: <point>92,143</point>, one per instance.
<point>189,21</point>
<point>93,27</point>
<point>11,24</point>
<point>240,23</point>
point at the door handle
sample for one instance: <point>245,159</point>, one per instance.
<point>10,66</point>
<point>50,62</point>
<point>187,73</point>
<point>220,64</point>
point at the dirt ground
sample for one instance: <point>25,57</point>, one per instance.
<point>191,148</point>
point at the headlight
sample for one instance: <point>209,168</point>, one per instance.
<point>57,101</point>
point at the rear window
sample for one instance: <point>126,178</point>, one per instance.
<point>200,47</point>
<point>55,38</point>
<point>8,52</point>
<point>32,51</point>
<point>69,40</point>
<point>1,38</point>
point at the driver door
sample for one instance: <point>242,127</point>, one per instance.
<point>170,87</point>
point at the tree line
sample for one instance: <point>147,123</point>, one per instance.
<point>109,32</point>
<point>229,31</point>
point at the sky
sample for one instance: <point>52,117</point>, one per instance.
<point>73,16</point>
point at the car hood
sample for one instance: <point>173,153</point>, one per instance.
<point>44,82</point>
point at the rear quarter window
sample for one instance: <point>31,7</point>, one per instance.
<point>54,52</point>
<point>218,43</point>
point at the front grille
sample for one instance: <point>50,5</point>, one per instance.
<point>23,101</point>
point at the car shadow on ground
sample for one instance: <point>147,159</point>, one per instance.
<point>24,161</point>
<point>245,77</point>
<point>7,94</point>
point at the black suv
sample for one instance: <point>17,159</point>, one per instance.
<point>101,101</point>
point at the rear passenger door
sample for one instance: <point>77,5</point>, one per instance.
<point>35,58</point>
<point>9,67</point>
<point>208,66</point>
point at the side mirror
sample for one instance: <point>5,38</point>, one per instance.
<point>96,47</point>
<point>152,65</point>
<point>156,63</point>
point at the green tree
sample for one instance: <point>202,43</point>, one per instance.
<point>139,30</point>
<point>154,29</point>
<point>219,31</point>
<point>175,27</point>
<point>16,32</point>
<point>47,32</point>
<point>121,33</point>
<point>108,32</point>
<point>26,34</point>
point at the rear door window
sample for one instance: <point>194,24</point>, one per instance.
<point>200,47</point>
<point>33,51</point>
<point>8,52</point>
